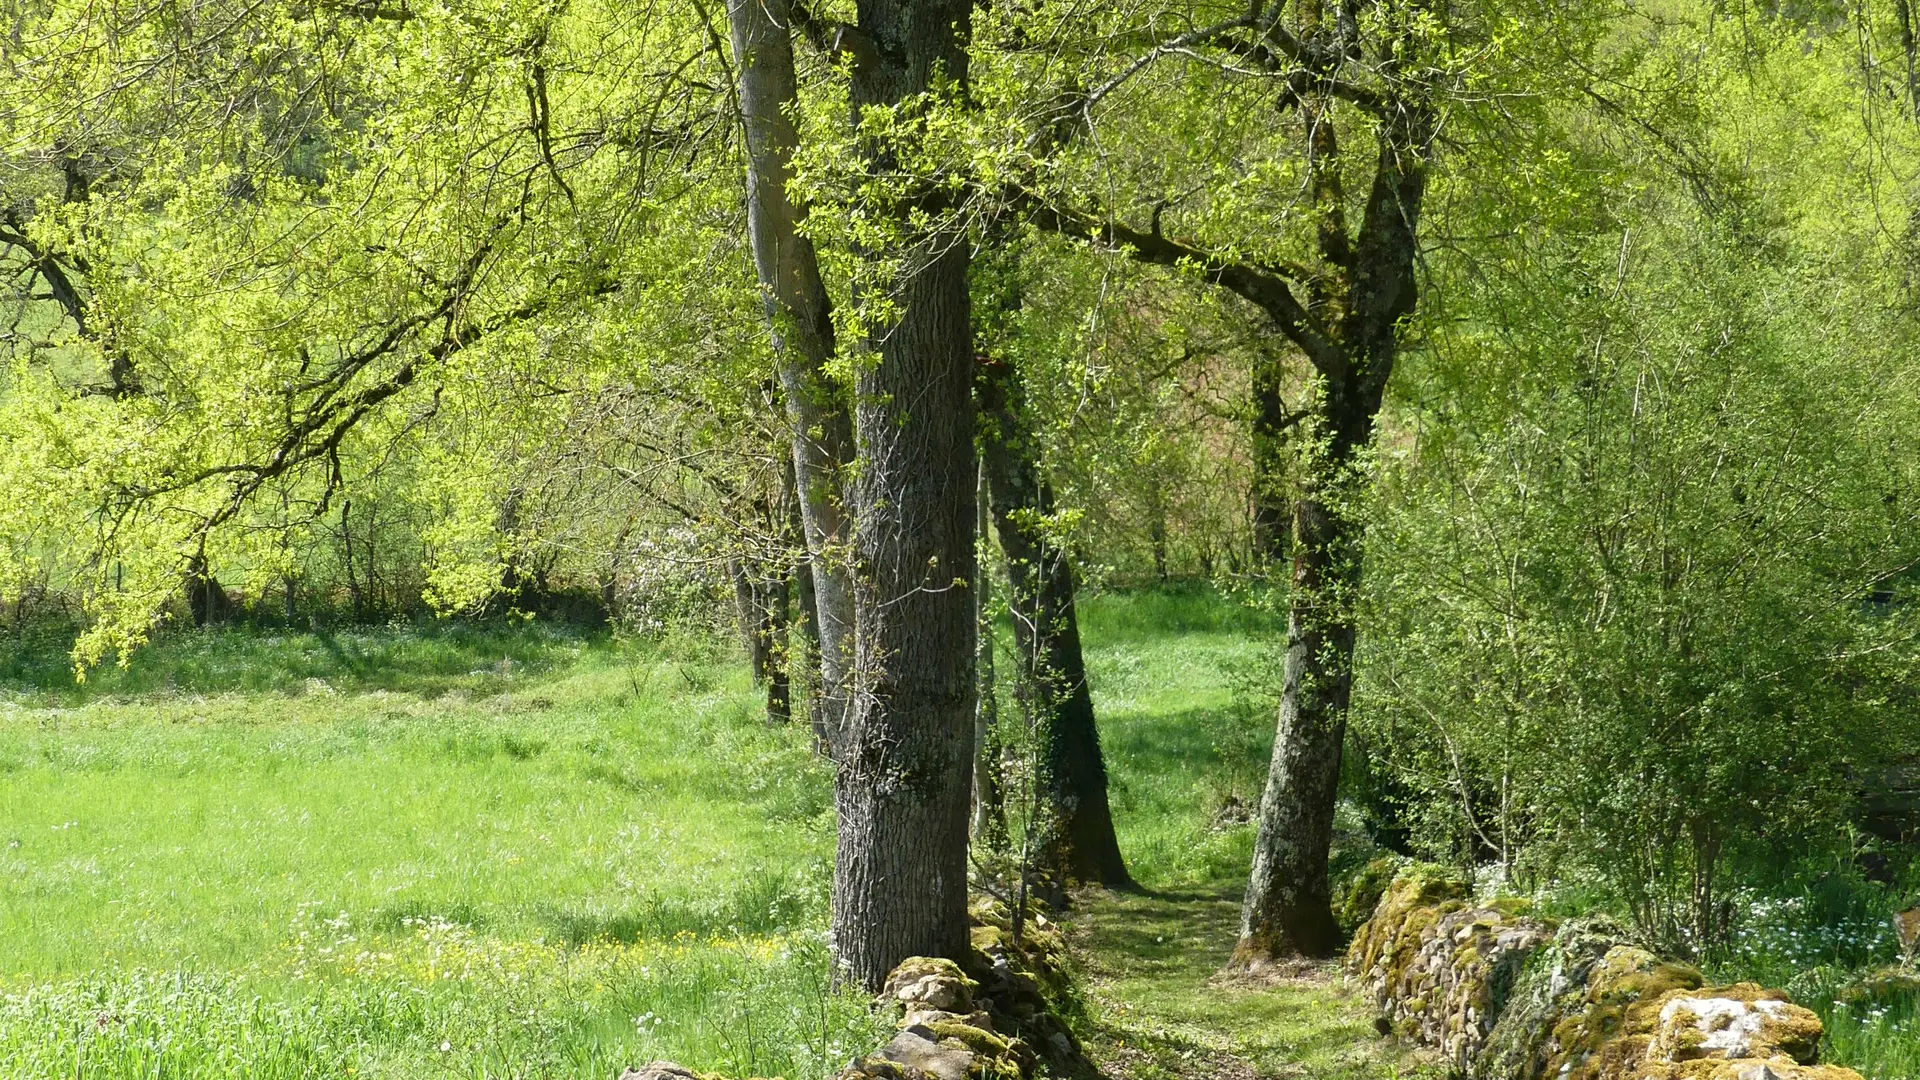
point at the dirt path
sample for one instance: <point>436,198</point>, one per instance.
<point>1161,1008</point>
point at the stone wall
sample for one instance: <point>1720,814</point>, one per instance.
<point>1508,997</point>
<point>993,1018</point>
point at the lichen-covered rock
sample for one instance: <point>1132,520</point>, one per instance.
<point>1744,1021</point>
<point>1454,985</point>
<point>1357,902</point>
<point>930,983</point>
<point>1551,985</point>
<point>1416,898</point>
<point>1507,997</point>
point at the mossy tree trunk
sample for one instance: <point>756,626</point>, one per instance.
<point>1077,820</point>
<point>1342,311</point>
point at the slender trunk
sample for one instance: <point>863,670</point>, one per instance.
<point>749,614</point>
<point>989,801</point>
<point>900,871</point>
<point>1080,841</point>
<point>1373,288</point>
<point>775,601</point>
<point>1288,906</point>
<point>1271,513</point>
<point>800,312</point>
<point>1157,535</point>
<point>346,553</point>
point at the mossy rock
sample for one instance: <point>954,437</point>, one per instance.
<point>1548,985</point>
<point>1610,1036</point>
<point>1416,891</point>
<point>1742,1021</point>
<point>1886,986</point>
<point>930,982</point>
<point>1361,896</point>
<point>973,1037</point>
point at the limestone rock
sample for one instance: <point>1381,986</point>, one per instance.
<point>1744,1022</point>
<point>930,983</point>
<point>920,1049</point>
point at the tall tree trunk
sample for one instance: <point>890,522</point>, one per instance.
<point>801,315</point>
<point>900,872</point>
<point>989,802</point>
<point>1288,904</point>
<point>1371,287</point>
<point>1080,841</point>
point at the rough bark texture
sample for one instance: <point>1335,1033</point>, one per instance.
<point>797,305</point>
<point>900,871</point>
<point>1081,845</point>
<point>1288,905</point>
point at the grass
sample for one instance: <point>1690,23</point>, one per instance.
<point>411,852</point>
<point>1165,1011</point>
<point>1186,760</point>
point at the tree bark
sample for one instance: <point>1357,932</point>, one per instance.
<point>1288,906</point>
<point>1080,844</point>
<point>900,871</point>
<point>1371,287</point>
<point>801,315</point>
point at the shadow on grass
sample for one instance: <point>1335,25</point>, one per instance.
<point>1164,1006</point>
<point>423,657</point>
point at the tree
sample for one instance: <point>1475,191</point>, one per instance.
<point>1077,822</point>
<point>1078,841</point>
<point>903,783</point>
<point>1377,70</point>
<point>804,341</point>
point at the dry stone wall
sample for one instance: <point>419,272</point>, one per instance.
<point>1508,997</point>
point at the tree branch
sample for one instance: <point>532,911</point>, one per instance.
<point>1264,286</point>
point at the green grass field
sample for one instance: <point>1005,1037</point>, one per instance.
<point>516,852</point>
<point>446,851</point>
<point>432,852</point>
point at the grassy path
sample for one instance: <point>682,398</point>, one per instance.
<point>1161,1007</point>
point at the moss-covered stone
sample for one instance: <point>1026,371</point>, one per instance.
<point>1508,997</point>
<point>1882,987</point>
<point>929,982</point>
<point>1357,901</point>
<point>1551,984</point>
<point>1415,892</point>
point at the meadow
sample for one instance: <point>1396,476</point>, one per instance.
<point>445,850</point>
